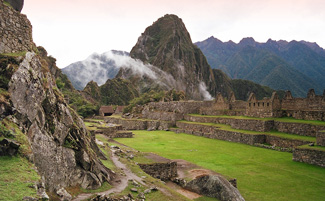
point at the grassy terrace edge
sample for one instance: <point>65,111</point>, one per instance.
<point>283,119</point>
<point>261,174</point>
<point>272,133</point>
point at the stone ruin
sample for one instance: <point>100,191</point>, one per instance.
<point>310,108</point>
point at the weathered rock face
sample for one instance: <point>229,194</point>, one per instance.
<point>168,45</point>
<point>15,31</point>
<point>60,143</point>
<point>16,4</point>
<point>62,149</point>
<point>215,186</point>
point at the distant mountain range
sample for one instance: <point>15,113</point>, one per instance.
<point>164,58</point>
<point>281,65</point>
<point>97,67</point>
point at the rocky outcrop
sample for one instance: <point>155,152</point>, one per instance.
<point>215,186</point>
<point>59,140</point>
<point>15,31</point>
<point>16,4</point>
<point>8,147</point>
<point>62,149</point>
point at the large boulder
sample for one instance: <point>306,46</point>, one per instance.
<point>215,186</point>
<point>16,4</point>
<point>8,147</point>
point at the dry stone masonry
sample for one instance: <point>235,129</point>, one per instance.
<point>162,171</point>
<point>15,31</point>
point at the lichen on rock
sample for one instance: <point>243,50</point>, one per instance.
<point>49,124</point>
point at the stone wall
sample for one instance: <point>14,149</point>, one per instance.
<point>310,156</point>
<point>139,124</point>
<point>232,136</point>
<point>184,107</point>
<point>123,134</point>
<point>260,125</point>
<point>297,128</point>
<point>283,142</point>
<point>306,115</point>
<point>15,31</point>
<point>161,115</point>
<point>163,171</point>
<point>312,102</point>
<point>320,138</point>
<point>243,124</point>
<point>209,111</point>
<point>215,133</point>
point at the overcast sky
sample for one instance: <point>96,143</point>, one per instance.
<point>71,30</point>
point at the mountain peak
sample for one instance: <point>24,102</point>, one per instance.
<point>167,45</point>
<point>167,30</point>
<point>247,41</point>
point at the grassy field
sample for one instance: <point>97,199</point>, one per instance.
<point>17,178</point>
<point>262,174</point>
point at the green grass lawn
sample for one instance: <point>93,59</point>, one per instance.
<point>262,174</point>
<point>17,178</point>
<point>283,119</point>
<point>273,133</point>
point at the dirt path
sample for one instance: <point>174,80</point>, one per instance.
<point>119,183</point>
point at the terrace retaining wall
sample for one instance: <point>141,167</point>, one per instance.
<point>162,171</point>
<point>298,128</point>
<point>310,156</point>
<point>139,124</point>
<point>231,136</point>
<point>261,125</point>
<point>283,142</point>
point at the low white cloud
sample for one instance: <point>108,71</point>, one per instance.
<point>203,90</point>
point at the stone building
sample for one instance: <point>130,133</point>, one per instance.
<point>313,102</point>
<point>267,107</point>
<point>106,111</point>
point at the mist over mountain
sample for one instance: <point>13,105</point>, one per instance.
<point>167,45</point>
<point>282,65</point>
<point>97,67</point>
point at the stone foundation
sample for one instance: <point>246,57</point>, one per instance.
<point>163,171</point>
<point>139,124</point>
<point>310,156</point>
